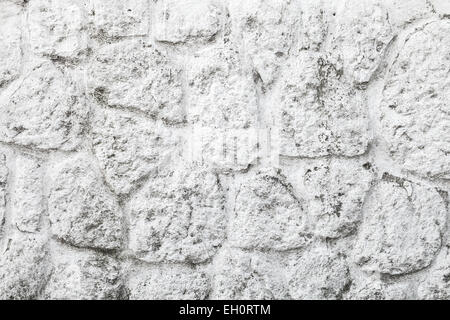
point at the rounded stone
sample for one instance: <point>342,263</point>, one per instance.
<point>401,228</point>
<point>82,211</point>
<point>178,218</point>
<point>267,214</point>
<point>415,116</point>
<point>44,110</point>
<point>134,75</point>
<point>170,282</point>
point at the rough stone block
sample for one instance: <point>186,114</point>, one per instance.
<point>45,110</point>
<point>131,74</point>
<point>84,275</point>
<point>267,214</point>
<point>320,114</point>
<point>169,282</point>
<point>317,274</point>
<point>24,266</point>
<point>130,148</point>
<point>57,29</point>
<point>179,218</point>
<point>10,42</point>
<point>28,202</point>
<point>82,211</point>
<point>117,18</point>
<point>414,109</point>
<point>401,228</point>
<point>243,275</point>
<point>187,21</point>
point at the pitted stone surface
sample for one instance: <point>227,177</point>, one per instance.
<point>362,34</point>
<point>28,199</point>
<point>45,109</point>
<point>401,229</point>
<point>185,21</point>
<point>130,148</point>
<point>264,31</point>
<point>116,18</point>
<point>179,218</point>
<point>10,42</point>
<point>334,191</point>
<point>268,215</point>
<point>57,29</point>
<point>169,283</point>
<point>436,286</point>
<point>132,74</point>
<point>24,267</point>
<point>320,114</point>
<point>84,276</point>
<point>317,274</point>
<point>82,210</point>
<point>415,113</point>
<point>243,275</point>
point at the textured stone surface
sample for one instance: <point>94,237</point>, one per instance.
<point>117,18</point>
<point>320,113</point>
<point>129,148</point>
<point>84,276</point>
<point>224,149</point>
<point>436,286</point>
<point>268,215</point>
<point>402,227</point>
<point>3,185</point>
<point>317,274</point>
<point>335,191</point>
<point>82,210</point>
<point>57,29</point>
<point>45,109</point>
<point>169,283</point>
<point>24,267</point>
<point>10,35</point>
<point>246,275</point>
<point>132,74</point>
<point>28,198</point>
<point>178,218</point>
<point>415,113</point>
<point>185,21</point>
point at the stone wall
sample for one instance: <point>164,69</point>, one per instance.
<point>224,149</point>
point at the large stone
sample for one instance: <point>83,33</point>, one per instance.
<point>401,228</point>
<point>223,108</point>
<point>116,18</point>
<point>24,266</point>
<point>131,148</point>
<point>415,115</point>
<point>360,38</point>
<point>334,191</point>
<point>242,275</point>
<point>84,276</point>
<point>179,218</point>
<point>264,31</point>
<point>27,199</point>
<point>321,114</point>
<point>82,211</point>
<point>4,172</point>
<point>169,282</point>
<point>185,21</point>
<point>268,215</point>
<point>436,285</point>
<point>10,42</point>
<point>57,29</point>
<point>45,110</point>
<point>132,74</point>
<point>317,274</point>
